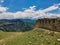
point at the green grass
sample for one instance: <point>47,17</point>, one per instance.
<point>35,37</point>
<point>5,34</point>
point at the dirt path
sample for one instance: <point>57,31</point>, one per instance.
<point>2,41</point>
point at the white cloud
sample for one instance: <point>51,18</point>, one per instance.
<point>50,8</point>
<point>6,15</point>
<point>3,9</point>
<point>43,14</point>
<point>54,7</point>
<point>29,13</point>
<point>1,1</point>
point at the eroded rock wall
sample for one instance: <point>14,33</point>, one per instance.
<point>48,23</point>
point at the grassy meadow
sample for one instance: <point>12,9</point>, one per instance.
<point>33,37</point>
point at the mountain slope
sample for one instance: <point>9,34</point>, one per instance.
<point>35,37</point>
<point>15,25</point>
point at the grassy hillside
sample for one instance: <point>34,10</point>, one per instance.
<point>5,34</point>
<point>33,37</point>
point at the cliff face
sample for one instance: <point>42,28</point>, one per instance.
<point>48,23</point>
<point>37,24</point>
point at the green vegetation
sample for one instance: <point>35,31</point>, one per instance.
<point>5,34</point>
<point>34,37</point>
<point>15,25</point>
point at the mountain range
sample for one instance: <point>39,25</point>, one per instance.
<point>16,25</point>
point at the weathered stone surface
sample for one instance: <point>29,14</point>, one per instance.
<point>48,23</point>
<point>58,40</point>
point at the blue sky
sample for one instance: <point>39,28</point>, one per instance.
<point>29,8</point>
<point>18,5</point>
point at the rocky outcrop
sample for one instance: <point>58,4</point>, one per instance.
<point>48,23</point>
